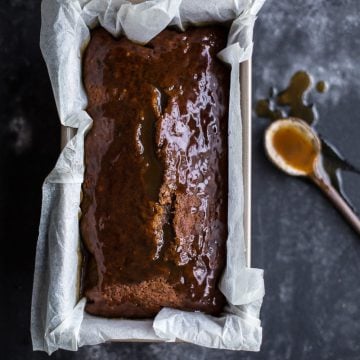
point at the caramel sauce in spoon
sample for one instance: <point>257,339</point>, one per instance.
<point>295,148</point>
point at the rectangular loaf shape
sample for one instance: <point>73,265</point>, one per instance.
<point>154,207</point>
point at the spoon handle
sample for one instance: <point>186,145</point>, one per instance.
<point>337,200</point>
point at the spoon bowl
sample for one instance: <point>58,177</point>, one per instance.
<point>293,146</point>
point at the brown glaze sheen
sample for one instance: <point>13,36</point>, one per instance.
<point>154,209</point>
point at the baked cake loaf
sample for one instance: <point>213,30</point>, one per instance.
<point>154,207</point>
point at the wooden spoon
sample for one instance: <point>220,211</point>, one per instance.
<point>294,147</point>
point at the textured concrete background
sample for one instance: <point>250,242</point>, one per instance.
<point>310,256</point>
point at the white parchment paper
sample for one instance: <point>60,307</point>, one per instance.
<point>58,319</point>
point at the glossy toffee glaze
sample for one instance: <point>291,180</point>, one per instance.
<point>154,208</point>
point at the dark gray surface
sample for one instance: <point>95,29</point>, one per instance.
<point>310,256</point>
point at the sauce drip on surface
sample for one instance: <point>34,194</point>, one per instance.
<point>295,148</point>
<point>321,86</point>
<point>290,102</point>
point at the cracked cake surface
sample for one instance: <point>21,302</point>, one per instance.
<point>154,206</point>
